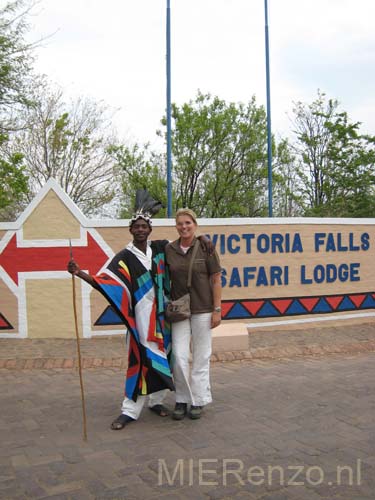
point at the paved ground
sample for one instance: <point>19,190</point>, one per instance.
<point>300,429</point>
<point>109,351</point>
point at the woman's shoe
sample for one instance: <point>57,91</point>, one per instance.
<point>195,412</point>
<point>160,410</point>
<point>180,411</point>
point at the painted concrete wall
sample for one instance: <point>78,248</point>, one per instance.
<point>273,269</point>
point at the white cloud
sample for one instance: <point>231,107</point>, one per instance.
<point>115,51</point>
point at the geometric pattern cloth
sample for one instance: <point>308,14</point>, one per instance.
<point>293,306</point>
<point>138,297</point>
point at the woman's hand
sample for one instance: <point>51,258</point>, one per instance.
<point>215,319</point>
<point>73,267</point>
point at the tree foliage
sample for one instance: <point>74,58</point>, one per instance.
<point>139,167</point>
<point>335,161</point>
<point>13,183</point>
<point>16,60</point>
<point>15,68</point>
<point>287,191</point>
<point>219,157</point>
<point>69,142</point>
<point>219,150</point>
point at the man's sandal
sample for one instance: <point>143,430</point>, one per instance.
<point>120,422</point>
<point>160,410</point>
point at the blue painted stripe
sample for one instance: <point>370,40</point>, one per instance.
<point>368,303</point>
<point>238,311</point>
<point>109,317</point>
<point>346,305</point>
<point>296,308</point>
<point>322,306</point>
<point>268,310</point>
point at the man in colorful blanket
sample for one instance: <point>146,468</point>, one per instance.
<point>136,285</point>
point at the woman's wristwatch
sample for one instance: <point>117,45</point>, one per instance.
<point>217,309</point>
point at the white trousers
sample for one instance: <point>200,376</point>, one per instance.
<point>133,408</point>
<point>192,387</point>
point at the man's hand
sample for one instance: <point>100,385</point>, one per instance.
<point>73,267</point>
<point>206,245</point>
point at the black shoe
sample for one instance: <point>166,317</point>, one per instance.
<point>180,411</point>
<point>120,422</point>
<point>195,412</point>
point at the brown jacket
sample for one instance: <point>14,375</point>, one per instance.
<point>204,266</point>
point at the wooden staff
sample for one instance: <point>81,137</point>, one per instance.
<point>78,348</point>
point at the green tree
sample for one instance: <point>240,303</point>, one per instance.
<point>287,188</point>
<point>335,161</point>
<point>16,59</point>
<point>13,184</point>
<point>351,190</point>
<point>219,157</point>
<point>139,167</point>
<point>71,143</point>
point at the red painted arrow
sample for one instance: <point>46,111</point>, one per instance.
<point>16,260</point>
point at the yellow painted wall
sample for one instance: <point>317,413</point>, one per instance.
<point>50,310</point>
<point>261,261</point>
<point>51,220</point>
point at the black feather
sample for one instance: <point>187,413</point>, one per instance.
<point>144,203</point>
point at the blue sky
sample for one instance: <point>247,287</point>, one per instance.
<point>114,51</point>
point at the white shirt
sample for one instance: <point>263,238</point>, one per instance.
<point>145,259</point>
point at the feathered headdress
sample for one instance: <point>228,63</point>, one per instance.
<point>145,206</point>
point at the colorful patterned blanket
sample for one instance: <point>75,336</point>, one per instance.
<point>138,297</point>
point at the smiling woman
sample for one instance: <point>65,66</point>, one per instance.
<point>186,225</point>
<point>205,304</point>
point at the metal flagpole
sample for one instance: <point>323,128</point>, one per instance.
<point>169,132</point>
<point>269,135</point>
<point>78,349</point>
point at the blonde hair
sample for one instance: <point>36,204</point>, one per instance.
<point>187,211</point>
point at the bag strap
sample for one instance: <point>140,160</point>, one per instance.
<point>193,255</point>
